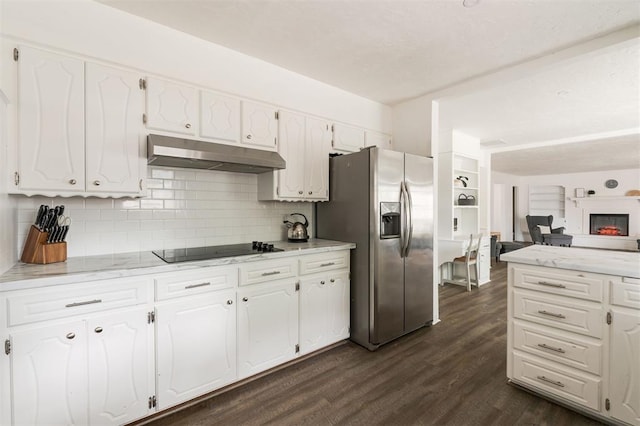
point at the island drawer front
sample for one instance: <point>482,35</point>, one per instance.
<point>42,305</point>
<point>559,346</point>
<point>268,270</point>
<point>581,285</point>
<point>573,385</point>
<point>172,285</point>
<point>626,292</point>
<point>324,262</point>
<point>567,314</point>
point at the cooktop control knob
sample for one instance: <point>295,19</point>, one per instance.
<point>269,247</point>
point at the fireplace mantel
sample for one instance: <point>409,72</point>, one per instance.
<point>579,200</point>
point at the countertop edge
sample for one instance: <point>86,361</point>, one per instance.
<point>139,264</point>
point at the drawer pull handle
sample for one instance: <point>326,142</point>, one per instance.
<point>88,302</point>
<point>71,336</point>
<point>322,265</point>
<point>551,348</point>
<point>553,382</point>
<point>552,314</point>
<point>266,274</point>
<point>196,285</point>
<point>551,284</point>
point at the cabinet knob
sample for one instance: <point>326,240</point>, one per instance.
<point>245,299</point>
<point>310,192</point>
<point>332,280</point>
<point>248,136</point>
<point>96,182</point>
<point>98,330</point>
<point>300,192</point>
<point>229,302</point>
<point>322,282</point>
<point>72,181</point>
<point>71,336</point>
<point>188,126</point>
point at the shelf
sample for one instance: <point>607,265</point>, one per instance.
<point>578,200</point>
<point>460,171</point>
<point>468,188</point>
<point>455,206</point>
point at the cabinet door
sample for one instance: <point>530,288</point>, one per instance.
<point>113,126</point>
<point>196,346</point>
<point>49,375</point>
<point>120,367</point>
<point>317,147</point>
<point>267,326</point>
<point>377,139</point>
<point>219,117</point>
<point>347,138</point>
<point>625,366</point>
<point>171,106</point>
<point>259,125</point>
<point>292,149</point>
<point>338,321</point>
<point>314,313</point>
<point>50,121</point>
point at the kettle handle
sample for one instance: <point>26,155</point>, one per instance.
<point>306,222</point>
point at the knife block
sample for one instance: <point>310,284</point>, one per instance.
<point>36,249</point>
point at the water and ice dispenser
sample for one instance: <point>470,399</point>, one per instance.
<point>389,220</point>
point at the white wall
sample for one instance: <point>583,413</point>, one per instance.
<point>184,208</point>
<point>576,219</point>
<point>412,126</point>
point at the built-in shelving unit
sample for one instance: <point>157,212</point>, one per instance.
<point>547,200</point>
<point>465,217</point>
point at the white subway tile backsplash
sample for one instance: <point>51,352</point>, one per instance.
<point>183,208</point>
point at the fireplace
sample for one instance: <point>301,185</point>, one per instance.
<point>609,224</point>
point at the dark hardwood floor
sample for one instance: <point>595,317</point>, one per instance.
<point>453,373</point>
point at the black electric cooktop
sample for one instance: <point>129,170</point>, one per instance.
<point>214,252</point>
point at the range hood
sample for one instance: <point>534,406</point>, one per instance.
<point>178,152</point>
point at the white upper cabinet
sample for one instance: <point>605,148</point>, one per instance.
<point>380,140</point>
<point>292,149</point>
<point>259,125</point>
<point>347,138</point>
<point>51,121</point>
<point>113,126</point>
<point>79,128</point>
<point>219,117</point>
<point>171,107</point>
<point>317,146</point>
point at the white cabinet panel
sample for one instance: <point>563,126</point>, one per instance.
<point>347,138</point>
<point>51,121</point>
<point>120,358</point>
<point>259,125</point>
<point>267,326</point>
<point>196,346</point>
<point>171,106</point>
<point>317,147</point>
<point>113,125</point>
<point>380,140</point>
<point>219,117</point>
<point>49,375</point>
<point>581,285</point>
<point>339,307</point>
<point>291,181</point>
<point>625,366</point>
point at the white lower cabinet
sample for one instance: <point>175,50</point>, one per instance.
<point>195,346</point>
<point>324,310</point>
<point>93,371</point>
<point>267,326</point>
<point>574,336</point>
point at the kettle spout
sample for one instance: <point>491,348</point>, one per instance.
<point>289,224</point>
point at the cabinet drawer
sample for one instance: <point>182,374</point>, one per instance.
<point>564,382</point>
<point>581,285</point>
<point>571,315</point>
<point>626,292</point>
<point>556,345</point>
<point>324,262</point>
<point>40,305</point>
<point>268,270</point>
<point>202,281</point>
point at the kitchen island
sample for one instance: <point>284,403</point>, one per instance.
<point>113,339</point>
<point>574,328</point>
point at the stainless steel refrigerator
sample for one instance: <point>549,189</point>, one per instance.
<point>383,201</point>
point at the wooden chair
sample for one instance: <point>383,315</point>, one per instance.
<point>469,259</point>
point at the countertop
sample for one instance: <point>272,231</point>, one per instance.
<point>610,262</point>
<point>91,268</point>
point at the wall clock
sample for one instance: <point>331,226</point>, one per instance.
<point>611,183</point>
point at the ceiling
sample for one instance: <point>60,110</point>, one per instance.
<point>393,50</point>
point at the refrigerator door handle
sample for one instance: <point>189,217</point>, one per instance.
<point>409,209</point>
<point>403,219</point>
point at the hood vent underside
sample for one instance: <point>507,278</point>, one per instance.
<point>178,152</point>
